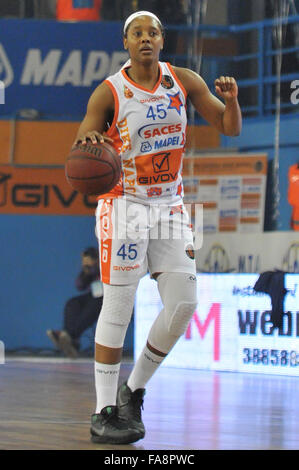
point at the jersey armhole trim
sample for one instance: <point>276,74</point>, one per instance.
<point>116,107</point>
<point>177,80</point>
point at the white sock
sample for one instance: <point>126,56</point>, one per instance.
<point>143,370</point>
<point>106,382</point>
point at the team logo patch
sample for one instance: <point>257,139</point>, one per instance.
<point>151,192</point>
<point>190,252</point>
<point>175,102</point>
<point>145,147</point>
<point>128,93</point>
<point>167,82</point>
<point>161,162</point>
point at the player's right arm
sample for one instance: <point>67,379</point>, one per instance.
<point>100,106</point>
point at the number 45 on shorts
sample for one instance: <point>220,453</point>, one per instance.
<point>128,251</point>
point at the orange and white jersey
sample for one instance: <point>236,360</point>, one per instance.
<point>149,133</point>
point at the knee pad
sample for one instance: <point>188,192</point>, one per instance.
<point>179,296</point>
<point>115,316</point>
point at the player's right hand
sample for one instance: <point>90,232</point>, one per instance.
<point>94,137</point>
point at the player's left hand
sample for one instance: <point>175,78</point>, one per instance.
<point>226,87</point>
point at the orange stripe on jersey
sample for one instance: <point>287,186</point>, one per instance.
<point>177,79</point>
<point>113,133</point>
<point>106,234</point>
<point>116,108</point>
<point>140,87</point>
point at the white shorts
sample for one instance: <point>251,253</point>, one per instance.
<point>135,238</point>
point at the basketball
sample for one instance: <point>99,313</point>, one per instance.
<point>93,168</point>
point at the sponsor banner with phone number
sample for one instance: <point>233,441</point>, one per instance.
<point>231,330</point>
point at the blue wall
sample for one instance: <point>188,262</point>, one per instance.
<point>258,136</point>
<point>40,258</point>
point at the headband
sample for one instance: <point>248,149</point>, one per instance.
<point>136,15</point>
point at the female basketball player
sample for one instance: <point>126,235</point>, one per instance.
<point>145,106</point>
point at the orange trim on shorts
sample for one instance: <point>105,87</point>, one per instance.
<point>177,79</point>
<point>106,234</point>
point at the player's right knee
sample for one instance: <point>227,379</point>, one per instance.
<point>115,315</point>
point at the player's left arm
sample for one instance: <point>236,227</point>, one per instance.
<point>227,117</point>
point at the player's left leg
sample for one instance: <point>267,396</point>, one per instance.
<point>179,296</point>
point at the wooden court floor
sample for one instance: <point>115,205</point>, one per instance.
<point>47,403</point>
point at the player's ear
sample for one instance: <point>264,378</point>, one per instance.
<point>125,41</point>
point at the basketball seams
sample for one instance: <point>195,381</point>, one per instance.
<point>113,156</point>
<point>83,178</point>
<point>95,157</point>
<point>93,171</point>
<point>105,162</point>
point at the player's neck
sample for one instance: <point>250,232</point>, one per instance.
<point>145,75</point>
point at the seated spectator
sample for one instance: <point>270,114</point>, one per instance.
<point>78,10</point>
<point>82,311</point>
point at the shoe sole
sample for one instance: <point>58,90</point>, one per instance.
<point>104,440</point>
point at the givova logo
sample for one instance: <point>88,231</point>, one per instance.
<point>6,71</point>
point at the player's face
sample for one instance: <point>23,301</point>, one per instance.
<point>144,39</point>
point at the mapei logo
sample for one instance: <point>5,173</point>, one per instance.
<point>58,68</point>
<point>6,70</point>
<point>146,147</point>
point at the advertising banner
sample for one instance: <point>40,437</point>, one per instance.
<point>231,329</point>
<point>41,191</point>
<point>231,188</point>
<point>53,66</point>
<point>245,253</point>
